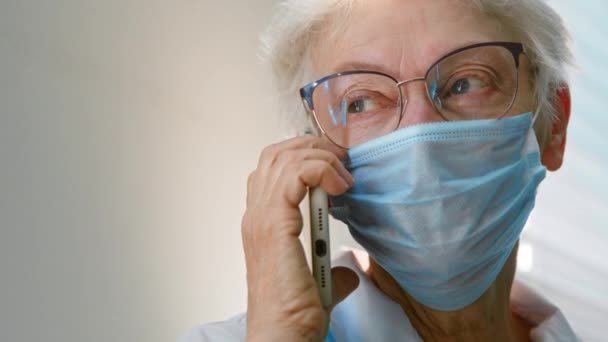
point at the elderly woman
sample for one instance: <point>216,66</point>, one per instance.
<point>435,122</point>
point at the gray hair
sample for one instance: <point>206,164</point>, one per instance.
<point>286,47</point>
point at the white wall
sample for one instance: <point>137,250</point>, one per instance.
<point>127,131</point>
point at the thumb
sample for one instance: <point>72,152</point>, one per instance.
<point>344,281</point>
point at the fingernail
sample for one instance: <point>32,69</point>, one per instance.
<point>351,180</point>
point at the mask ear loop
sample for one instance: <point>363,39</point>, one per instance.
<point>534,117</point>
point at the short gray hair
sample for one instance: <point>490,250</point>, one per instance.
<point>286,47</point>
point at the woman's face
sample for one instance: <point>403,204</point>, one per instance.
<point>404,38</point>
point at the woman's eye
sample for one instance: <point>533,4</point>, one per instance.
<point>361,106</point>
<point>467,85</point>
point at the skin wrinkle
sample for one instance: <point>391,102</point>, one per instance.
<point>458,327</point>
<point>376,37</point>
<point>383,26</point>
<point>287,47</point>
<point>353,47</point>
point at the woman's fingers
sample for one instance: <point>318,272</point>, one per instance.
<point>344,281</point>
<point>270,154</point>
<point>287,169</point>
<point>283,297</point>
<point>312,173</point>
<point>328,157</point>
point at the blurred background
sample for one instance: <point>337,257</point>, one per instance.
<point>127,131</point>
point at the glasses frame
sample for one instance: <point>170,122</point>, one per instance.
<point>306,92</point>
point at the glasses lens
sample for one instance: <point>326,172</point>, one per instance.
<point>352,109</point>
<point>478,83</point>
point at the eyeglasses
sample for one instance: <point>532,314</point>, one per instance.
<point>479,81</point>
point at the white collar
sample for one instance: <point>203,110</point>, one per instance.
<point>369,315</point>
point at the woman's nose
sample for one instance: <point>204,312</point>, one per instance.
<point>417,108</point>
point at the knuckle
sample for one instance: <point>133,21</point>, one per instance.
<point>310,141</point>
<point>331,158</point>
<point>289,171</point>
<point>286,157</point>
<point>269,152</point>
<point>326,166</point>
<point>304,141</point>
<point>318,143</point>
<point>321,171</point>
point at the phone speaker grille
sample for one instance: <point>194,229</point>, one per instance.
<point>323,276</point>
<point>320,218</point>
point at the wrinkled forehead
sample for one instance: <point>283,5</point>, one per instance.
<point>401,37</point>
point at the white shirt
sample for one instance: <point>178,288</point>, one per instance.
<point>368,314</point>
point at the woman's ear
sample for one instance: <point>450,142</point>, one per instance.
<point>553,154</point>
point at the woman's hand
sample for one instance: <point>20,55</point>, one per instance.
<point>283,299</point>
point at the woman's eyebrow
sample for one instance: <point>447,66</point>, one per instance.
<point>359,65</point>
<point>362,65</point>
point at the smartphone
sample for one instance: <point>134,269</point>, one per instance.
<point>319,237</point>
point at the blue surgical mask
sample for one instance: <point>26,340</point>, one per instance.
<point>440,206</point>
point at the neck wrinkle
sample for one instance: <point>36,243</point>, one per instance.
<point>488,319</point>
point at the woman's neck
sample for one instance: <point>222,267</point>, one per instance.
<point>487,319</point>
